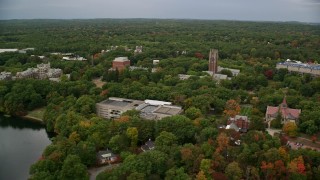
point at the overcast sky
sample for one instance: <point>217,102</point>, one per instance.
<point>265,10</point>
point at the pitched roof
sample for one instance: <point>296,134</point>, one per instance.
<point>148,146</point>
<point>105,154</point>
<point>271,110</point>
<point>232,126</point>
<point>241,122</point>
<point>285,111</point>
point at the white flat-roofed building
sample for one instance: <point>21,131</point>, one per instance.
<point>8,50</point>
<point>155,61</point>
<point>5,75</point>
<point>156,110</point>
<point>114,107</point>
<point>156,103</point>
<point>121,59</point>
<point>234,72</point>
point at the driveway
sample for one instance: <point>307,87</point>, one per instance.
<point>97,170</point>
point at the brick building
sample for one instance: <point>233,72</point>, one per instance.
<point>120,63</point>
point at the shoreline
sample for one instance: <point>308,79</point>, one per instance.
<point>31,118</point>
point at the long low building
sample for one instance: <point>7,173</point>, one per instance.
<point>302,68</point>
<point>156,110</point>
<point>149,109</point>
<point>114,107</point>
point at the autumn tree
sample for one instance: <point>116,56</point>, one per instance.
<point>232,108</point>
<point>205,167</point>
<point>201,176</point>
<point>223,142</point>
<point>297,166</point>
<point>290,128</point>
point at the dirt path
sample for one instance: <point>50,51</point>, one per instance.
<point>98,82</point>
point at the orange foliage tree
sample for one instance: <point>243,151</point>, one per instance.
<point>232,108</point>
<point>297,166</point>
<point>223,142</point>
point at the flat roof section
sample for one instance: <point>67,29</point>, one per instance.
<point>168,110</point>
<point>116,103</point>
<point>148,108</point>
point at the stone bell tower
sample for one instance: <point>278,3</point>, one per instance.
<point>213,61</point>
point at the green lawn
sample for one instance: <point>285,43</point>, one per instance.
<point>37,113</point>
<point>246,110</point>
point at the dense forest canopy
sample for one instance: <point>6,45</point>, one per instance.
<point>190,145</point>
<point>162,38</point>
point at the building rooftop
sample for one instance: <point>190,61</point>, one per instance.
<point>121,59</point>
<point>152,109</point>
<point>121,102</point>
<point>8,50</point>
<point>235,72</point>
<point>300,65</point>
<point>149,109</point>
<point>149,145</point>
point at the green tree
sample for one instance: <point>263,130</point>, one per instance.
<point>193,113</point>
<point>44,168</point>
<point>176,174</point>
<point>181,126</point>
<point>233,171</point>
<point>87,152</point>
<point>136,176</point>
<point>72,168</point>
<point>132,133</point>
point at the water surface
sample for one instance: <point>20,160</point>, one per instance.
<point>21,144</point>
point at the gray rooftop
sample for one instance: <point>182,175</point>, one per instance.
<point>116,103</point>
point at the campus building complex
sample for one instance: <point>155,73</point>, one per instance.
<point>42,71</point>
<point>301,68</point>
<point>149,109</point>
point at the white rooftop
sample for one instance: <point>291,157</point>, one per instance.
<point>157,103</point>
<point>8,50</point>
<point>121,59</point>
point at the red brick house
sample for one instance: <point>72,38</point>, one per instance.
<point>120,63</point>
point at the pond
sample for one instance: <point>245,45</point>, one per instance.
<point>21,144</point>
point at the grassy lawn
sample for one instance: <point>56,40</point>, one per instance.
<point>246,110</point>
<point>37,113</point>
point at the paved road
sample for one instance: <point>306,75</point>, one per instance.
<point>95,171</point>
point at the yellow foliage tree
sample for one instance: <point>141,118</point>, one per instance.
<point>132,133</point>
<point>290,128</point>
<point>284,154</point>
<point>74,137</point>
<point>201,176</point>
